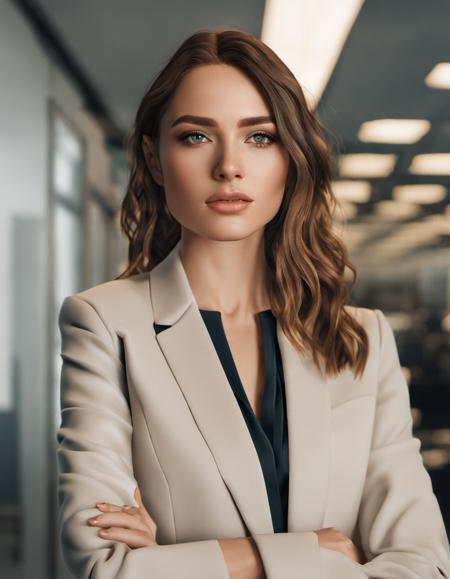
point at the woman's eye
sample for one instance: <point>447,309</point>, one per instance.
<point>184,138</point>
<point>260,143</point>
<point>263,139</point>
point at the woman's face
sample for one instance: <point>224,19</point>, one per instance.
<point>200,157</point>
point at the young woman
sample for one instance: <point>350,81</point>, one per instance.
<point>265,422</point>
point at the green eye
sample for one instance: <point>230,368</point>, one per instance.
<point>184,138</point>
<point>267,136</point>
<point>259,143</point>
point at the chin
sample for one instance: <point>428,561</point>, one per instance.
<point>220,234</point>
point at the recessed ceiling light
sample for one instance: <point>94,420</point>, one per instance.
<point>355,191</point>
<point>430,193</point>
<point>396,209</point>
<point>435,458</point>
<point>439,77</point>
<point>366,164</point>
<point>403,131</point>
<point>309,43</point>
<point>431,164</point>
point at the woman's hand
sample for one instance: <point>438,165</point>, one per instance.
<point>332,538</point>
<point>126,524</point>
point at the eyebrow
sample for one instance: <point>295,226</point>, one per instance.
<point>206,121</point>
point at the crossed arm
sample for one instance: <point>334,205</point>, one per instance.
<point>401,527</point>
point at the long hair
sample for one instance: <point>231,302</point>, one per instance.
<point>305,259</point>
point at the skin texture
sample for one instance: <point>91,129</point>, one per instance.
<point>223,255</point>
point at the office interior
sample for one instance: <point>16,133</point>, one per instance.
<point>376,72</point>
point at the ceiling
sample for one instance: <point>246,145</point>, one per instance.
<point>120,46</point>
<point>113,54</point>
<point>380,74</point>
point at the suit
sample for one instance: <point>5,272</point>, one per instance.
<point>156,410</point>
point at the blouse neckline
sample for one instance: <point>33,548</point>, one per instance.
<point>217,312</point>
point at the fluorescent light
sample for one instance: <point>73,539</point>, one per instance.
<point>432,193</point>
<point>439,77</point>
<point>396,209</point>
<point>402,131</point>
<point>435,458</point>
<point>441,435</point>
<point>308,36</point>
<point>366,164</point>
<point>354,191</point>
<point>431,164</point>
<point>407,238</point>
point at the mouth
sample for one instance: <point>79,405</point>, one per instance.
<point>228,196</point>
<point>228,206</point>
<point>234,200</point>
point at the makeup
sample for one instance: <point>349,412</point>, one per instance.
<point>228,207</point>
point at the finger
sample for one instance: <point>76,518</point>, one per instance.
<point>131,537</point>
<point>118,519</point>
<point>137,496</point>
<point>108,507</point>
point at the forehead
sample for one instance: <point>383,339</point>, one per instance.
<point>219,91</point>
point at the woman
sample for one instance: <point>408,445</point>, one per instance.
<point>266,423</point>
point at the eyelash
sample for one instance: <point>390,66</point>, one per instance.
<point>185,136</point>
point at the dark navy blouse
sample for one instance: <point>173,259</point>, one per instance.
<point>270,435</point>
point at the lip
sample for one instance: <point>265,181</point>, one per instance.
<point>225,195</point>
<point>228,207</point>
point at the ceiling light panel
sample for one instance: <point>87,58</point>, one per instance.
<point>401,131</point>
<point>439,77</point>
<point>353,191</point>
<point>420,193</point>
<point>366,164</point>
<point>431,164</point>
<point>396,209</point>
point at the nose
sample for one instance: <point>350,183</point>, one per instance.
<point>228,166</point>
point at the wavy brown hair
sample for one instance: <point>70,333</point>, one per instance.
<point>305,259</point>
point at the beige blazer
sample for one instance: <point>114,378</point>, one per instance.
<point>156,410</point>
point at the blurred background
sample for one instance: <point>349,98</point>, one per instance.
<point>377,73</point>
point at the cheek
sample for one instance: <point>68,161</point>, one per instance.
<point>271,178</point>
<point>183,185</point>
<point>180,172</point>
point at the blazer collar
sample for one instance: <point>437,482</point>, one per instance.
<point>194,362</point>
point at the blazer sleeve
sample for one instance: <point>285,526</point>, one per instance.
<point>401,526</point>
<point>95,462</point>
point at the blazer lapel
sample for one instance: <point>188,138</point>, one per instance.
<point>194,362</point>
<point>310,437</point>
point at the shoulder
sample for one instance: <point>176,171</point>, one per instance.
<point>116,299</point>
<point>379,330</point>
<point>367,317</point>
<point>117,289</point>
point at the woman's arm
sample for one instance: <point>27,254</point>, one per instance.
<point>95,462</point>
<point>242,558</point>
<point>95,465</point>
<point>401,526</point>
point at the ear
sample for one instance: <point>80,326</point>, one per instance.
<point>152,159</point>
